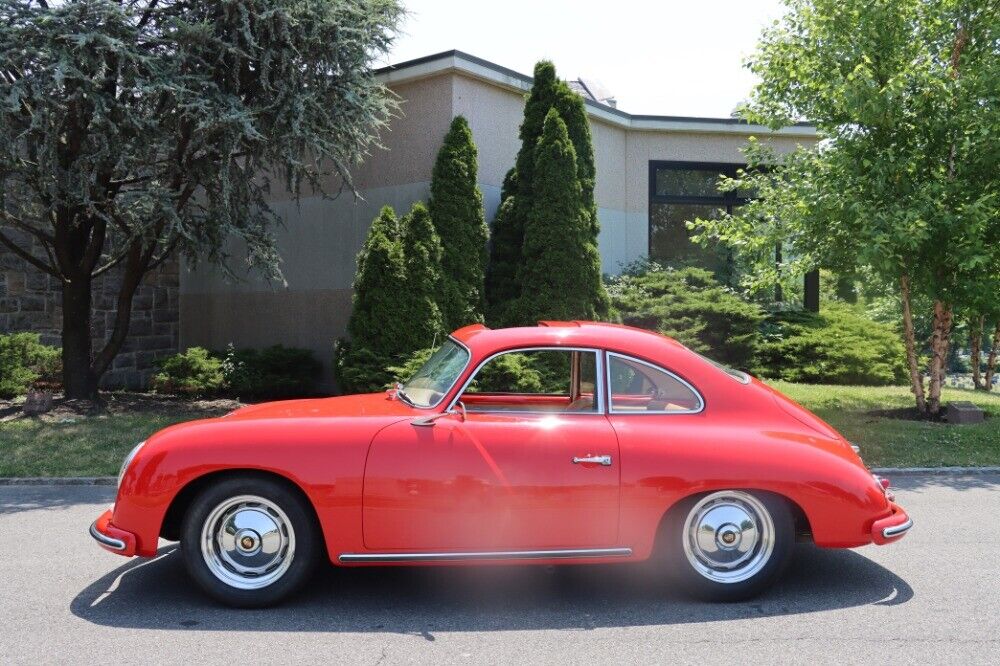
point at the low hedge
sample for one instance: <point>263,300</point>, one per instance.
<point>25,363</point>
<point>250,374</point>
<point>838,345</point>
<point>689,305</point>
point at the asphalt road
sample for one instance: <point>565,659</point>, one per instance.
<point>933,597</point>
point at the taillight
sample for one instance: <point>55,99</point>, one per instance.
<point>884,485</point>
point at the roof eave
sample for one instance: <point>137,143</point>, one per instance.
<point>484,70</point>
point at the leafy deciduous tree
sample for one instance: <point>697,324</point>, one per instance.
<point>130,131</point>
<point>904,183</point>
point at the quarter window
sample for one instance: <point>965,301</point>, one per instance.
<point>642,388</point>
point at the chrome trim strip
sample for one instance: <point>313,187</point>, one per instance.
<point>105,540</point>
<point>598,384</point>
<point>701,398</point>
<point>486,555</point>
<point>896,530</point>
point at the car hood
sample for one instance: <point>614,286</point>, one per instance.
<point>367,404</point>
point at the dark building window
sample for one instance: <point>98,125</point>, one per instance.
<point>680,192</point>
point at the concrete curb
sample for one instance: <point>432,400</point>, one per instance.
<point>935,471</point>
<point>110,480</point>
<point>58,481</point>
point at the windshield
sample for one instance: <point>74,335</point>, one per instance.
<point>436,377</point>
<point>738,375</point>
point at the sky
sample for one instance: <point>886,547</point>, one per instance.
<point>666,57</point>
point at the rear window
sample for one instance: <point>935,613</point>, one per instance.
<point>738,375</point>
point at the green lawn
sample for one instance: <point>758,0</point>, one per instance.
<point>73,445</point>
<point>891,442</point>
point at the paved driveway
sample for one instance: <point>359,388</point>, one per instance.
<point>935,597</point>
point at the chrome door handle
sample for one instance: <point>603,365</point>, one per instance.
<point>600,460</point>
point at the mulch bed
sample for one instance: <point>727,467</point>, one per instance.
<point>118,402</point>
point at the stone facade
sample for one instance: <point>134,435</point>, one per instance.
<point>31,301</point>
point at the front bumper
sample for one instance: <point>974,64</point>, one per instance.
<point>891,528</point>
<point>110,537</point>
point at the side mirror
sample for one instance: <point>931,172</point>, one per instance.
<point>461,409</point>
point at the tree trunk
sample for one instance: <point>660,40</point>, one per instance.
<point>77,346</point>
<point>991,359</point>
<point>939,355</point>
<point>975,350</point>
<point>916,380</point>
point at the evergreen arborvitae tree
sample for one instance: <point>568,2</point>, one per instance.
<point>505,253</point>
<point>520,193</point>
<point>560,273</point>
<point>379,289</point>
<point>456,210</point>
<point>418,310</point>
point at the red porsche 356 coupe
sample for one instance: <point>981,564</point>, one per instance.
<point>568,442</point>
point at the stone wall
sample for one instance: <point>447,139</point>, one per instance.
<point>31,301</point>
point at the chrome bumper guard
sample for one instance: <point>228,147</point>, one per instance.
<point>104,540</point>
<point>897,530</point>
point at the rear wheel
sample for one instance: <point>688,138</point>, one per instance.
<point>730,545</point>
<point>249,541</point>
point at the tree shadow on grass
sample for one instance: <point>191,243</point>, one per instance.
<point>157,594</point>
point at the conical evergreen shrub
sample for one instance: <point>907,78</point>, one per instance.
<point>520,194</point>
<point>560,273</point>
<point>379,289</point>
<point>456,210</point>
<point>418,310</point>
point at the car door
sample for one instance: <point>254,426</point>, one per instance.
<point>518,470</point>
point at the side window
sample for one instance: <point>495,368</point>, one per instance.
<point>639,387</point>
<point>546,380</point>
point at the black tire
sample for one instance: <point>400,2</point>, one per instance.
<point>692,567</point>
<point>250,500</point>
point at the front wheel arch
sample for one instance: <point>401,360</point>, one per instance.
<point>170,529</point>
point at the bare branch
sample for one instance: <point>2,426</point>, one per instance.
<point>27,256</point>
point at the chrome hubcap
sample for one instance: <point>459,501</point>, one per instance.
<point>728,536</point>
<point>247,542</point>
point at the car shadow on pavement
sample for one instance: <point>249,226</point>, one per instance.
<point>157,594</point>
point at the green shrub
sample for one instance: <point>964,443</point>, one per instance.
<point>25,362</point>
<point>560,271</point>
<point>195,372</point>
<point>380,288</point>
<point>406,368</point>
<point>688,305</point>
<point>456,209</point>
<point>838,345</point>
<point>521,373</point>
<point>271,373</point>
<point>358,369</point>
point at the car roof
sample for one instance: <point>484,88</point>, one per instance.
<point>483,340</point>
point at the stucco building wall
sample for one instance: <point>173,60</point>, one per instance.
<point>322,237</point>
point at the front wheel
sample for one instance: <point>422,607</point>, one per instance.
<point>730,545</point>
<point>249,541</point>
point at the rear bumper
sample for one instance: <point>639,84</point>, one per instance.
<point>110,537</point>
<point>891,528</point>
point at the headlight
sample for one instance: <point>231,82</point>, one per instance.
<point>127,462</point>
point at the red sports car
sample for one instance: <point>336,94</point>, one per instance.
<point>569,442</point>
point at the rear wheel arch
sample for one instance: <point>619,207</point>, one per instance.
<point>170,529</point>
<point>803,529</point>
